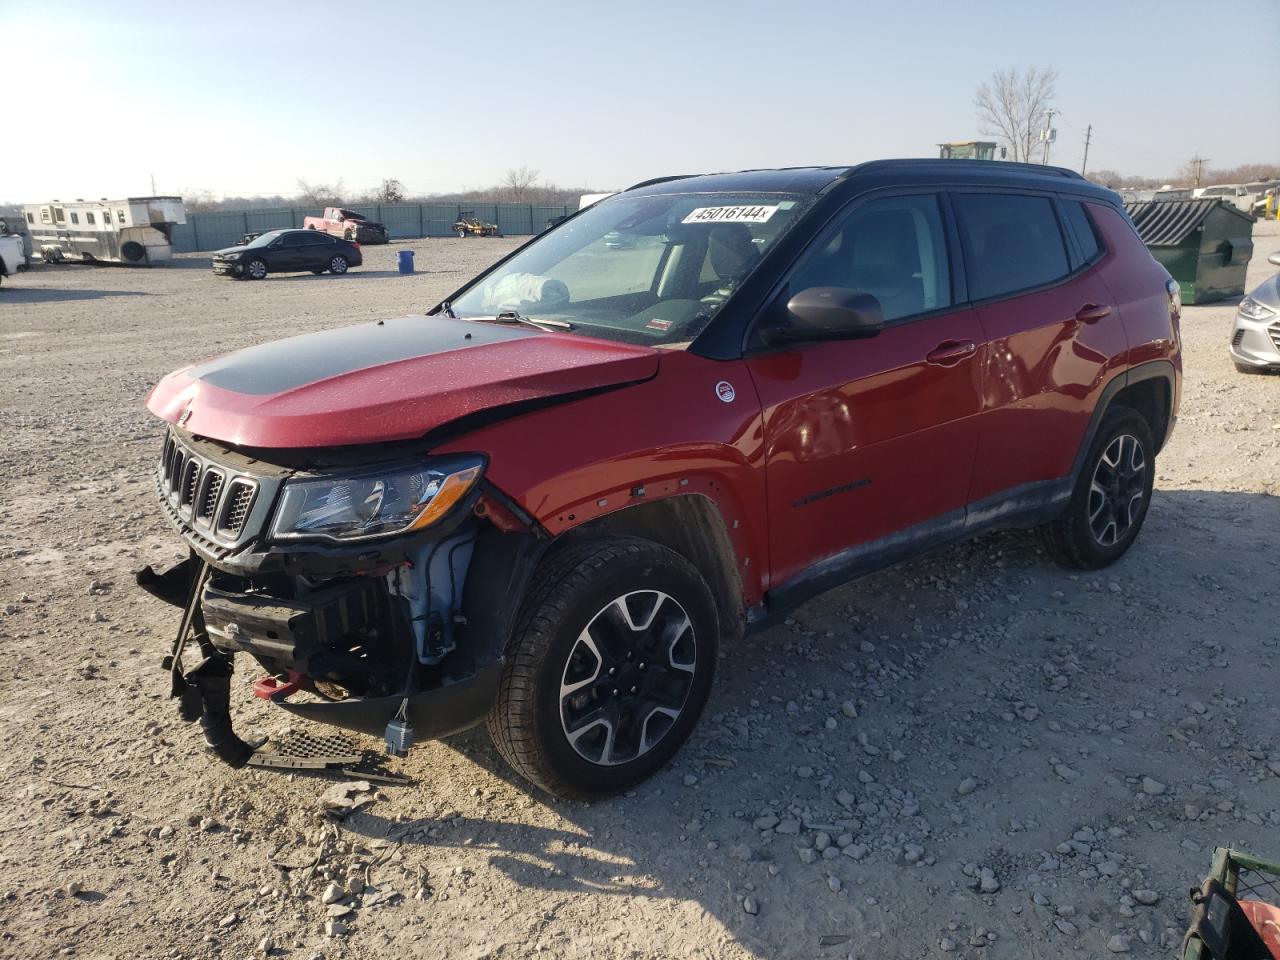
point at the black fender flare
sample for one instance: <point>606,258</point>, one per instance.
<point>1151,370</point>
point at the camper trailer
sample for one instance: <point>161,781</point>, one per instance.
<point>136,230</point>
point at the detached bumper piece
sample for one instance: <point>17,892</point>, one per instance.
<point>203,691</point>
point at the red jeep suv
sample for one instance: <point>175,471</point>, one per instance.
<point>686,409</point>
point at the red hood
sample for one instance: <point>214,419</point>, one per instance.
<point>391,380</point>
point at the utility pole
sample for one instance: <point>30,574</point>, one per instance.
<point>1198,162</point>
<point>1048,132</point>
<point>1088,135</point>
<point>153,184</point>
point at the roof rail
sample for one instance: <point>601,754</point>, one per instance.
<point>990,165</point>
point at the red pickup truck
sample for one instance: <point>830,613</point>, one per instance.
<point>348,225</point>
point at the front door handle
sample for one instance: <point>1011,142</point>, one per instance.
<point>950,352</point>
<point>1092,312</point>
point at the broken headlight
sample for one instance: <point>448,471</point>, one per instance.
<point>374,503</point>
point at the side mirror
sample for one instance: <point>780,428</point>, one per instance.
<point>1274,259</point>
<point>830,313</point>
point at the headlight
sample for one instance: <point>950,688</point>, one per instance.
<point>1251,309</point>
<point>377,503</point>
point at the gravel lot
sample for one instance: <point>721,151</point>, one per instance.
<point>977,754</point>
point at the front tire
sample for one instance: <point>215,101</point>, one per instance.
<point>1111,496</point>
<point>608,668</point>
<point>256,269</point>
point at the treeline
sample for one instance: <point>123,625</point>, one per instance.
<point>520,185</point>
<point>1185,176</point>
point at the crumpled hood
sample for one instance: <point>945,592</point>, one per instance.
<point>390,380</point>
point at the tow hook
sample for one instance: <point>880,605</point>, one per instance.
<point>277,689</point>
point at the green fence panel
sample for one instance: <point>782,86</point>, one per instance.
<point>272,218</point>
<point>402,219</point>
<point>222,228</point>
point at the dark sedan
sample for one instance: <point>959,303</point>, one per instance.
<point>287,251</point>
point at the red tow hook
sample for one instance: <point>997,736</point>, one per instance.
<point>277,689</point>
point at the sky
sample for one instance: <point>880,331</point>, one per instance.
<point>246,99</point>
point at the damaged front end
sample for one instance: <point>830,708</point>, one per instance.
<point>376,596</point>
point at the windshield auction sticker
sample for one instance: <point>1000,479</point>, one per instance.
<point>750,214</point>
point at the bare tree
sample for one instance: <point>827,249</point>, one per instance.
<point>321,194</point>
<point>199,200</point>
<point>390,190</point>
<point>1012,105</point>
<point>518,183</point>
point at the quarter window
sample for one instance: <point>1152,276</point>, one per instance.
<point>1082,227</point>
<point>893,248</point>
<point>1014,243</point>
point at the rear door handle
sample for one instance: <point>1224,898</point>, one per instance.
<point>1092,312</point>
<point>950,352</point>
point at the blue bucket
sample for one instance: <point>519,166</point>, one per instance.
<point>406,261</point>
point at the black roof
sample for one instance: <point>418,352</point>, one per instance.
<point>818,179</point>
<point>1166,223</point>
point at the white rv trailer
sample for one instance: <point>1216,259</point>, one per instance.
<point>136,230</point>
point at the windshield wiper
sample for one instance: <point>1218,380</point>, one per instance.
<point>512,316</point>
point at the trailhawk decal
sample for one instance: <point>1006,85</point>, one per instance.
<point>744,214</point>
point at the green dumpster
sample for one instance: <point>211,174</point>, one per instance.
<point>1204,244</point>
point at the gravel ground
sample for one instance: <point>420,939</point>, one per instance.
<point>977,754</point>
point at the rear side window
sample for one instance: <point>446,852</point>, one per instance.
<point>1014,243</point>
<point>1082,227</point>
<point>893,249</point>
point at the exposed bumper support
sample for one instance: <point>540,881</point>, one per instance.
<point>434,713</point>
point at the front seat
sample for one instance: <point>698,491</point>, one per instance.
<point>731,254</point>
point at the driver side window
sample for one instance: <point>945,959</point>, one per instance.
<point>893,248</point>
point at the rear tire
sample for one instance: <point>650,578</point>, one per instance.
<point>608,668</point>
<point>1111,495</point>
<point>462,234</point>
<point>338,265</point>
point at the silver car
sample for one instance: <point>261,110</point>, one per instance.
<point>1255,341</point>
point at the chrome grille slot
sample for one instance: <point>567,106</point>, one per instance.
<point>236,506</point>
<point>210,490</point>
<point>1274,331</point>
<point>190,480</point>
<point>212,502</point>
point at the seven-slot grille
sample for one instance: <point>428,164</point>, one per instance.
<point>1274,331</point>
<point>204,494</point>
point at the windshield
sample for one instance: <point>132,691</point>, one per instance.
<point>265,239</point>
<point>647,270</point>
